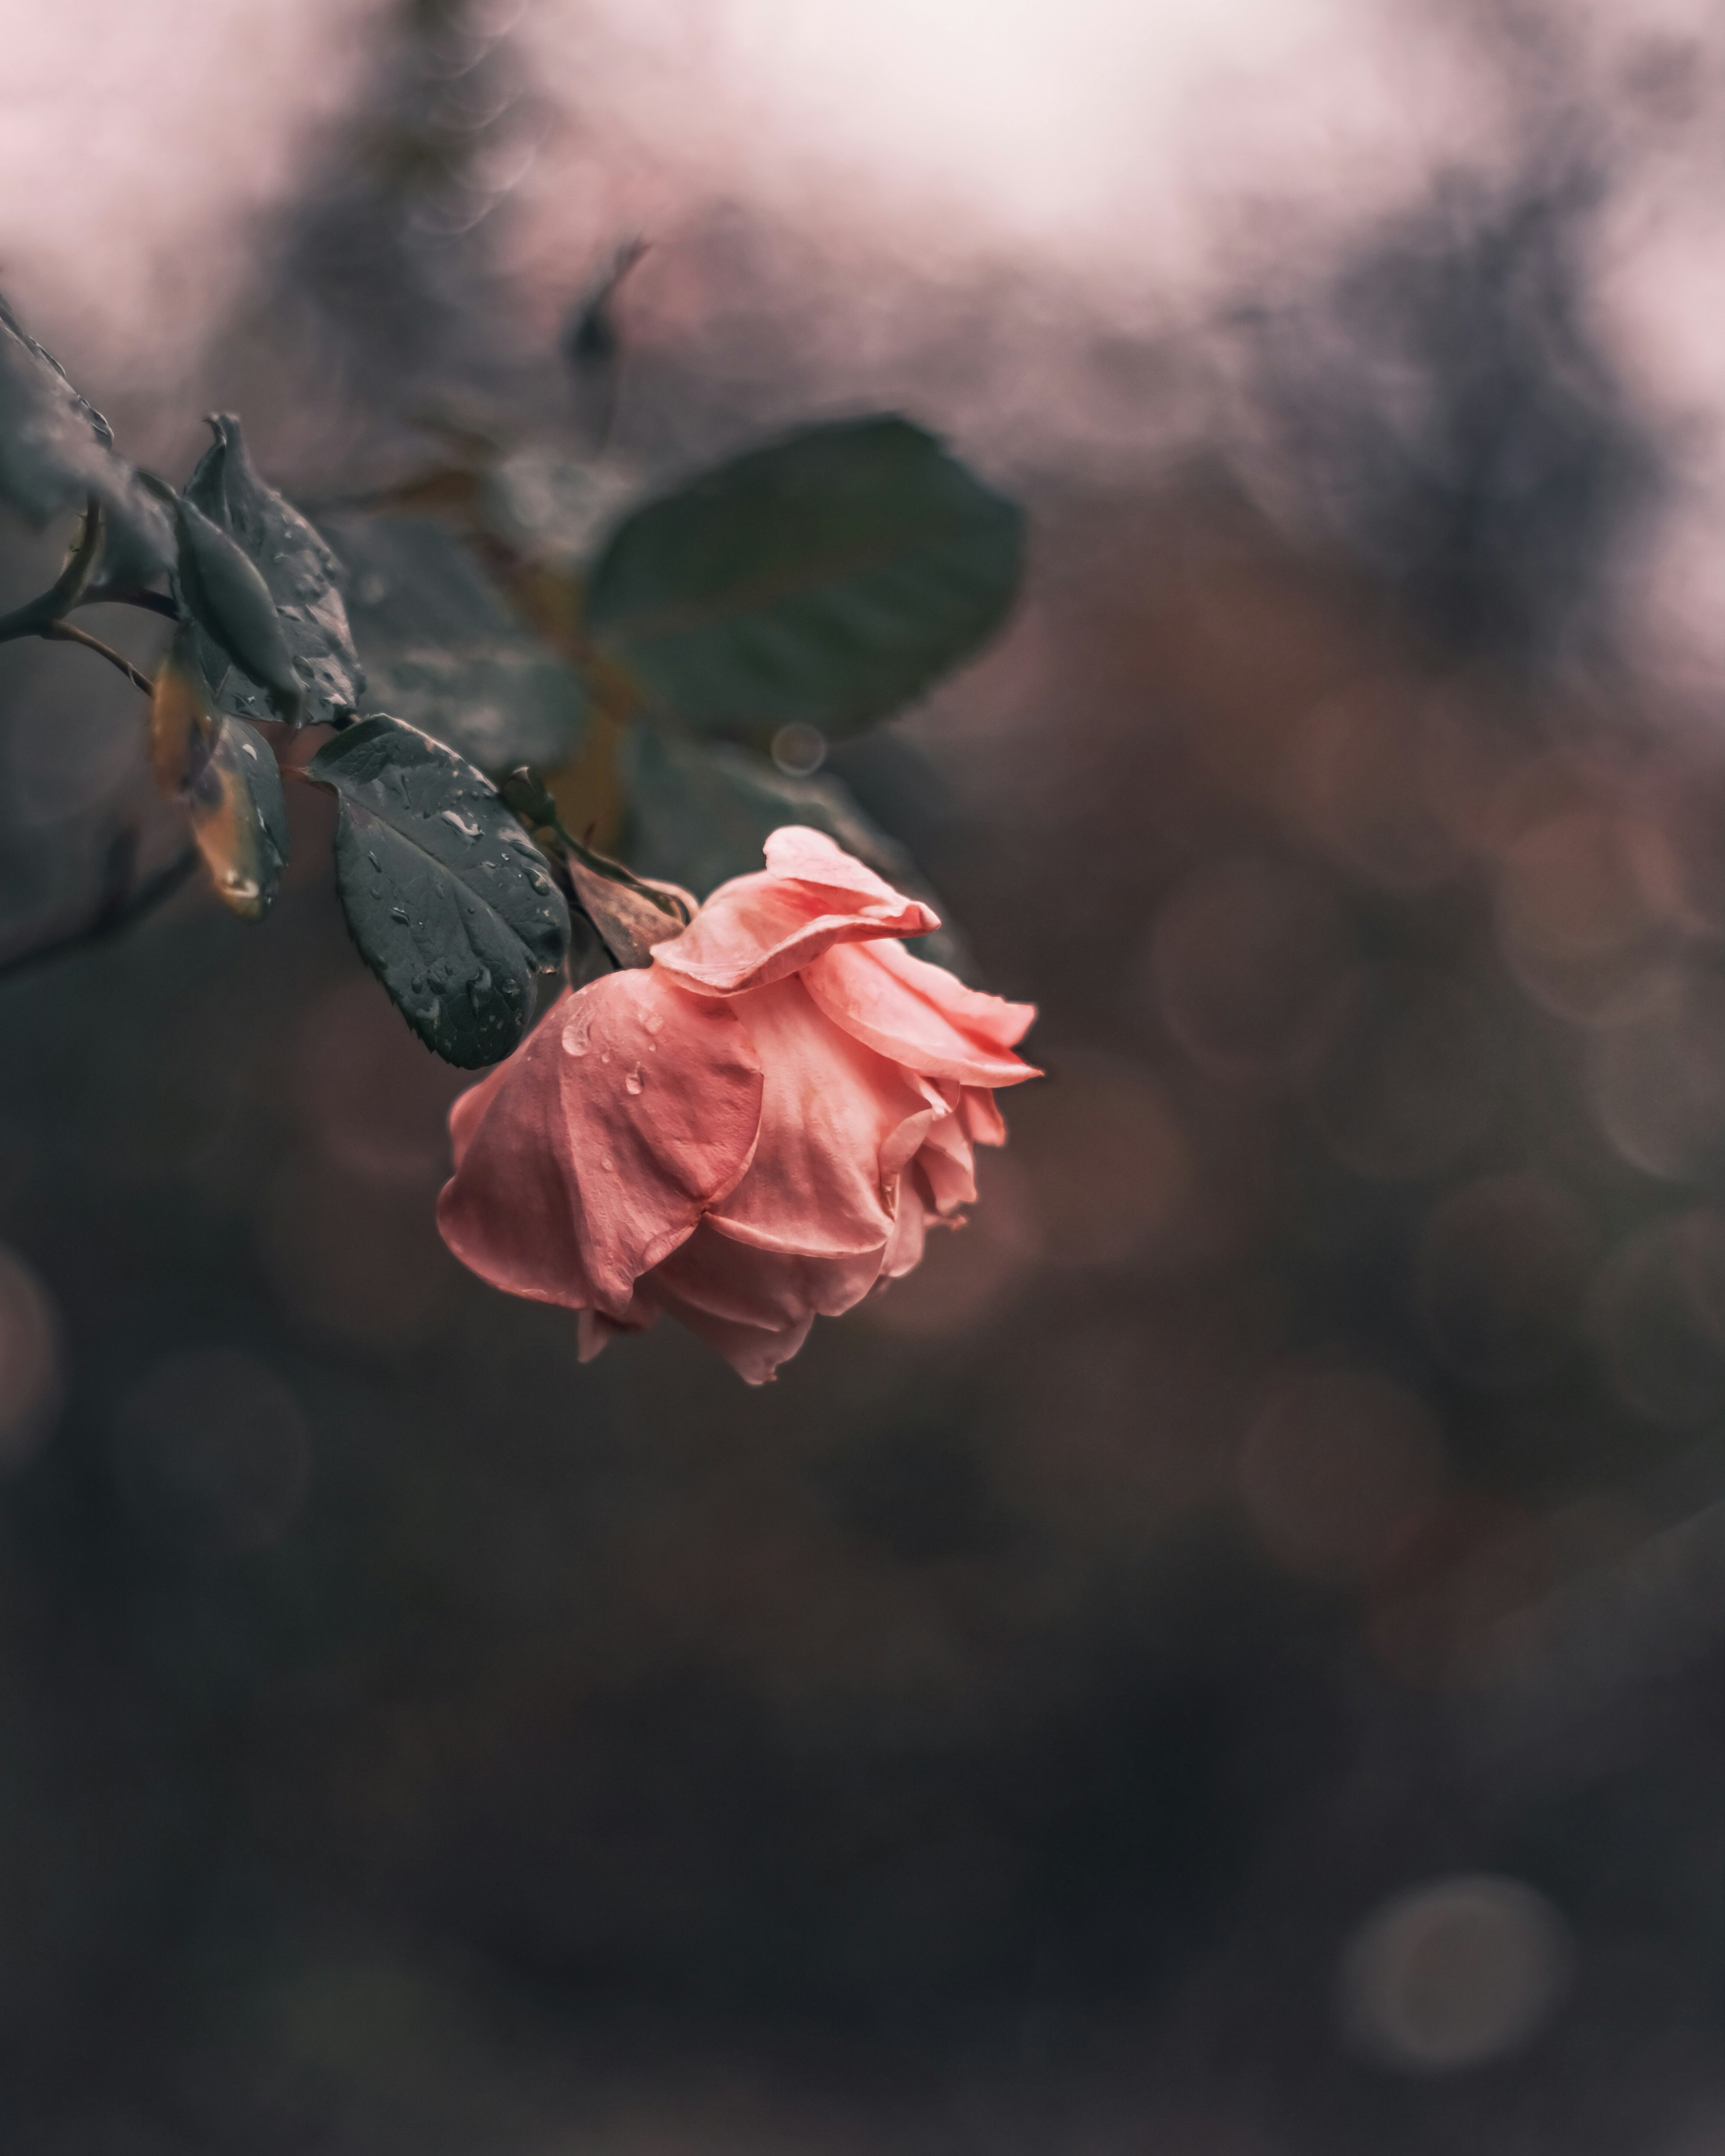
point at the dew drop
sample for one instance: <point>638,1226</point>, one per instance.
<point>656,1024</point>
<point>577,1032</point>
<point>398,913</point>
<point>608,1162</point>
<point>459,823</point>
<point>604,1056</point>
<point>635,1081</point>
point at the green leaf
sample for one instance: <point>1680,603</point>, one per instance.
<point>451,904</point>
<point>702,813</point>
<point>300,570</point>
<point>223,593</point>
<point>57,450</point>
<point>442,649</point>
<point>828,578</point>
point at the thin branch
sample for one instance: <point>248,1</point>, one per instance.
<point>131,595</point>
<point>116,912</point>
<point>68,587</point>
<point>66,632</point>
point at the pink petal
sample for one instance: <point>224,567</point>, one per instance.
<point>591,1154</point>
<point>904,1253</point>
<point>754,1352</point>
<point>755,929</point>
<point>981,1116</point>
<point>802,855</point>
<point>837,1122</point>
<point>991,1020</point>
<point>467,1110</point>
<point>948,1166</point>
<point>715,1273</point>
<point>595,1330</point>
<point>919,1014</point>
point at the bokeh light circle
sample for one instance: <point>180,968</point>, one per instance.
<point>1657,1081</point>
<point>1453,1974</point>
<point>1337,1465</point>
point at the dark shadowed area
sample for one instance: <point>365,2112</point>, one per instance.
<point>1227,1659</point>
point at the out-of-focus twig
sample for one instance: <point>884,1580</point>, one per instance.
<point>65,632</point>
<point>121,903</point>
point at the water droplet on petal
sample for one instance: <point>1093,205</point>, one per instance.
<point>656,1024</point>
<point>635,1081</point>
<point>577,1032</point>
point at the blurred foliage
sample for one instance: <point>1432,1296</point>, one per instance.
<point>821,581</point>
<point>1032,1726</point>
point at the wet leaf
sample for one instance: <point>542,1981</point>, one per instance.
<point>630,924</point>
<point>224,775</point>
<point>57,450</point>
<point>442,651</point>
<point>630,916</point>
<point>300,570</point>
<point>700,813</point>
<point>451,904</point>
<point>225,596</point>
<point>828,578</point>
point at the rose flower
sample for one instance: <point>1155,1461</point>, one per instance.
<point>754,1130</point>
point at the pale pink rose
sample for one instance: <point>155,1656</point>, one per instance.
<point>755,1130</point>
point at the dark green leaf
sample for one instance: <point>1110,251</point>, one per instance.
<point>223,595</point>
<point>630,918</point>
<point>699,814</point>
<point>451,904</point>
<point>56,451</point>
<point>442,649</point>
<point>630,923</point>
<point>299,567</point>
<point>830,578</point>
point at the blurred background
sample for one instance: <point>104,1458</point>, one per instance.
<point>1226,1660</point>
